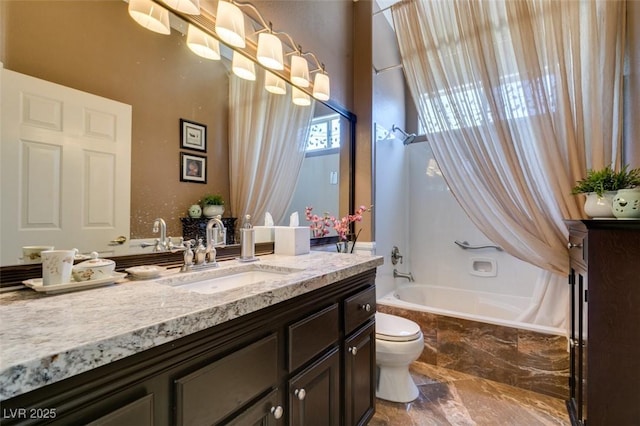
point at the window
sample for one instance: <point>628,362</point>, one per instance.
<point>520,98</point>
<point>324,134</point>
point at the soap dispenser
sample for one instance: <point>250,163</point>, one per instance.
<point>247,240</point>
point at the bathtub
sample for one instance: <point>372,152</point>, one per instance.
<point>477,333</point>
<point>490,308</point>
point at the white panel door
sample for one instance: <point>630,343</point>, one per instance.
<point>66,162</point>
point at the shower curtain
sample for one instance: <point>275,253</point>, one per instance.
<point>267,140</point>
<point>518,99</point>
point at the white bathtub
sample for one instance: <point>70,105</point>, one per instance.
<point>478,306</point>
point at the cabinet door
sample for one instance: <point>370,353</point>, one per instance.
<point>266,412</point>
<point>314,394</point>
<point>359,366</point>
<point>578,346</point>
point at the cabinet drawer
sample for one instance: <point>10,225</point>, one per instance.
<point>359,308</point>
<point>310,336</point>
<point>211,393</point>
<point>139,412</point>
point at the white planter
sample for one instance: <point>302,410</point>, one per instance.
<point>213,211</point>
<point>626,204</point>
<point>599,207</point>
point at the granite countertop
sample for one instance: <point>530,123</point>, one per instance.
<point>47,338</point>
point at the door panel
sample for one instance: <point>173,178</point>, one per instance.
<point>66,161</point>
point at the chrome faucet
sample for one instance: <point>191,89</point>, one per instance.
<point>216,237</point>
<point>407,275</point>
<point>163,243</point>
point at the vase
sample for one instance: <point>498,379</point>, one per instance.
<point>213,211</point>
<point>597,207</point>
<point>195,211</point>
<point>626,204</point>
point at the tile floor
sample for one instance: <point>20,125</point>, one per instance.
<point>448,397</point>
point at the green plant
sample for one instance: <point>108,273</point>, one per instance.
<point>212,200</point>
<point>607,179</point>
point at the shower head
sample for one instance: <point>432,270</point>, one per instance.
<point>408,137</point>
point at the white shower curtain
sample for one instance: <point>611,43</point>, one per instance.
<point>518,99</point>
<point>267,140</point>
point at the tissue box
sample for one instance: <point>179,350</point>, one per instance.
<point>264,234</point>
<point>292,240</point>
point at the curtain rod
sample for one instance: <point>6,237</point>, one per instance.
<point>384,9</point>
<point>389,68</point>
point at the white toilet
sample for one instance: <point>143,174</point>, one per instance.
<point>399,342</point>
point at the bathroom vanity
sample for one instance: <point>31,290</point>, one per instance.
<point>295,350</point>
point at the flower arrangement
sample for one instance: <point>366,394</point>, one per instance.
<point>320,226</point>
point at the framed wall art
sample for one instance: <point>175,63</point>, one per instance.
<point>193,168</point>
<point>193,135</point>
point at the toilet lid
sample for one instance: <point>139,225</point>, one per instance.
<point>395,329</point>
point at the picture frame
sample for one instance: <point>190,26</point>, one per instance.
<point>193,135</point>
<point>193,168</point>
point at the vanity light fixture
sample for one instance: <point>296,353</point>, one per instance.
<point>150,15</point>
<point>270,51</point>
<point>229,27</point>
<point>299,97</point>
<point>321,87</point>
<point>202,44</point>
<point>230,24</point>
<point>274,84</point>
<point>243,67</point>
<point>299,70</point>
<point>192,7</point>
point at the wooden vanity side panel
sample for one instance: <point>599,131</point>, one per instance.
<point>613,349</point>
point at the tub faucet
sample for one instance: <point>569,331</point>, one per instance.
<point>407,275</point>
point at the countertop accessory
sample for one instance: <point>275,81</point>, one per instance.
<point>93,269</point>
<point>145,272</point>
<point>36,284</point>
<point>247,240</point>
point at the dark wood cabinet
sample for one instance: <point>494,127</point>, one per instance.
<point>194,228</point>
<point>314,393</point>
<point>604,336</point>
<point>291,363</point>
<point>359,365</point>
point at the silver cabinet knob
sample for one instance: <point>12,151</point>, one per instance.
<point>366,307</point>
<point>277,412</point>
<point>571,245</point>
<point>300,393</point>
<point>353,350</point>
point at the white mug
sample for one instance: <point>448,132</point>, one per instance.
<point>56,266</point>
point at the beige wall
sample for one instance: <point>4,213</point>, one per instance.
<point>96,47</point>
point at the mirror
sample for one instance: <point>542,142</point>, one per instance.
<point>100,50</point>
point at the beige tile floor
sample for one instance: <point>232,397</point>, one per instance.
<point>448,397</point>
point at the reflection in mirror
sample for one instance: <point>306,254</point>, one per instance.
<point>101,51</point>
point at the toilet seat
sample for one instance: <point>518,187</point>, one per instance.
<point>396,329</point>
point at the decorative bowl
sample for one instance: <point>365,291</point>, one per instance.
<point>93,269</point>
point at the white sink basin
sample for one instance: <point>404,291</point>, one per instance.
<point>217,280</point>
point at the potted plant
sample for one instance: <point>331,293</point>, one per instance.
<point>601,187</point>
<point>212,205</point>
